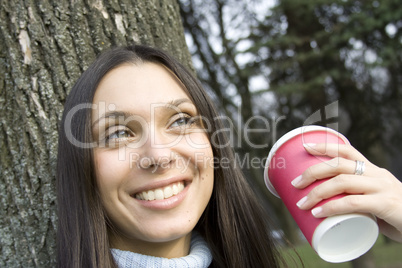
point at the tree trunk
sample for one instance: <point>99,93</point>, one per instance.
<point>44,47</point>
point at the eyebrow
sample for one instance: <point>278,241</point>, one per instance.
<point>124,114</point>
<point>177,102</point>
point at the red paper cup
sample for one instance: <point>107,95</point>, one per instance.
<point>337,238</point>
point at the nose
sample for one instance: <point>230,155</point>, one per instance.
<point>155,165</point>
<point>157,153</point>
<point>158,161</point>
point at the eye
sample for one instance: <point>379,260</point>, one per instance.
<point>183,120</point>
<point>119,134</point>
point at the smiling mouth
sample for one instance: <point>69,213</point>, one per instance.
<point>161,193</point>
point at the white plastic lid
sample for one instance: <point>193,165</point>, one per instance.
<point>346,237</point>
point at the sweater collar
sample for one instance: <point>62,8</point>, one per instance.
<point>199,257</point>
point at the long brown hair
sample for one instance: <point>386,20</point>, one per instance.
<point>234,224</point>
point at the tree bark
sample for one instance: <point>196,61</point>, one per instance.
<point>44,47</point>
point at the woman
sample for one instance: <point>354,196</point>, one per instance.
<point>91,219</point>
<point>140,178</point>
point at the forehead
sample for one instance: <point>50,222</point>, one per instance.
<point>137,86</point>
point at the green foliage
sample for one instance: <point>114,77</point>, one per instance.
<point>343,49</point>
<point>385,254</point>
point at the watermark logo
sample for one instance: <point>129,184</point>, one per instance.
<point>327,117</point>
<point>238,133</point>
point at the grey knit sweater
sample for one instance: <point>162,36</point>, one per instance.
<point>199,257</point>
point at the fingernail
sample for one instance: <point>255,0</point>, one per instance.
<point>309,145</point>
<point>316,211</point>
<point>301,201</point>
<point>297,180</point>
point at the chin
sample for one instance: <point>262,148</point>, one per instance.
<point>164,235</point>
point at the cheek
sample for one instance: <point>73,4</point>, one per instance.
<point>110,172</point>
<point>198,141</point>
<point>203,155</point>
<point>199,146</point>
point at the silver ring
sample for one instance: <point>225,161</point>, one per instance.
<point>360,166</point>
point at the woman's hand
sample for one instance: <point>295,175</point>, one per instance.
<point>376,191</point>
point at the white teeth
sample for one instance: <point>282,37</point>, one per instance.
<point>144,196</point>
<point>175,189</point>
<point>158,194</point>
<point>181,187</point>
<point>151,195</point>
<point>161,193</point>
<point>167,192</point>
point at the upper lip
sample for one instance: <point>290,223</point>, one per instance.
<point>159,184</point>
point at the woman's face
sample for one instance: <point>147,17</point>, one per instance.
<point>154,162</point>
